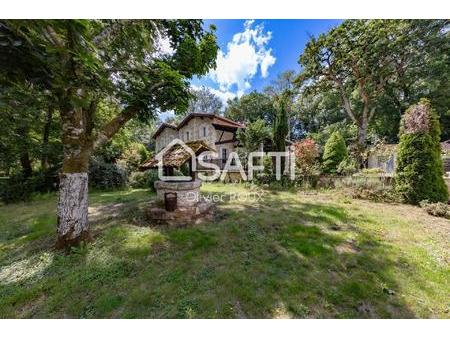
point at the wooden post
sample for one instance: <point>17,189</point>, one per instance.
<point>191,172</point>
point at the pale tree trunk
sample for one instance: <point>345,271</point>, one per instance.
<point>73,209</point>
<point>73,226</point>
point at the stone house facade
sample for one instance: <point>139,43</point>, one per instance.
<point>218,132</point>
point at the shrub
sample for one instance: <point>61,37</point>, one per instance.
<point>133,156</point>
<point>335,152</point>
<point>419,174</point>
<point>16,189</point>
<point>347,167</point>
<point>368,188</point>
<point>103,175</point>
<point>438,209</point>
<point>45,180</point>
<point>144,179</point>
<point>306,155</point>
<point>267,176</point>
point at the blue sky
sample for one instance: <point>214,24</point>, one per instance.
<point>253,52</point>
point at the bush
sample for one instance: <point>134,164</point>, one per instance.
<point>103,175</point>
<point>419,173</point>
<point>438,209</point>
<point>267,176</point>
<point>45,181</point>
<point>306,155</point>
<point>368,188</point>
<point>335,152</point>
<point>133,157</point>
<point>144,179</point>
<point>347,167</point>
<point>16,189</point>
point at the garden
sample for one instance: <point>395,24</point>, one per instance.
<point>360,232</point>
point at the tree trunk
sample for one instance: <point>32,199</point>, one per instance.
<point>26,164</point>
<point>73,210</point>
<point>362,142</point>
<point>45,139</point>
<point>73,186</point>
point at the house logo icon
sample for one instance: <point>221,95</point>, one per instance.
<point>175,143</point>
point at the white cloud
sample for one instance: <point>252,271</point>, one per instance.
<point>246,53</point>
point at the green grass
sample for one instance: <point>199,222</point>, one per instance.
<point>291,254</point>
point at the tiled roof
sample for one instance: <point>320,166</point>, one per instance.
<point>217,120</point>
<point>161,128</point>
<point>177,155</point>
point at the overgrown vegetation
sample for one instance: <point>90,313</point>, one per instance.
<point>438,209</point>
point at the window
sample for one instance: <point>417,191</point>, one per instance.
<point>187,136</point>
<point>224,154</point>
<point>204,131</point>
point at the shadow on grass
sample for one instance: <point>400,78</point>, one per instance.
<point>279,257</point>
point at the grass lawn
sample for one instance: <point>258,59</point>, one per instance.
<point>291,254</point>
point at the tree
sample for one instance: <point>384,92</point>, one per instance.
<point>360,59</point>
<point>280,125</point>
<point>253,135</point>
<point>204,101</point>
<point>335,152</point>
<point>250,108</point>
<point>419,172</point>
<point>89,61</point>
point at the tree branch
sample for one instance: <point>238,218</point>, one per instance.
<point>112,127</point>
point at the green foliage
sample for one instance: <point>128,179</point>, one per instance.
<point>251,107</point>
<point>18,188</point>
<point>334,153</point>
<point>347,166</point>
<point>15,189</point>
<point>253,135</point>
<point>144,179</point>
<point>106,175</point>
<point>419,172</point>
<point>280,125</point>
<point>352,65</point>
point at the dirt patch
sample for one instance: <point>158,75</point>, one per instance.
<point>348,247</point>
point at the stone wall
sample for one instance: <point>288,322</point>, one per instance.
<point>166,136</point>
<point>188,193</point>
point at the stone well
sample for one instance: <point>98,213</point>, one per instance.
<point>188,192</point>
<point>191,209</point>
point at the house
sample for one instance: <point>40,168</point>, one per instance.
<point>383,157</point>
<point>218,132</point>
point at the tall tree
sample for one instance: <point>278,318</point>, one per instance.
<point>91,60</point>
<point>419,172</point>
<point>251,107</point>
<point>204,101</point>
<point>361,58</point>
<point>281,126</point>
